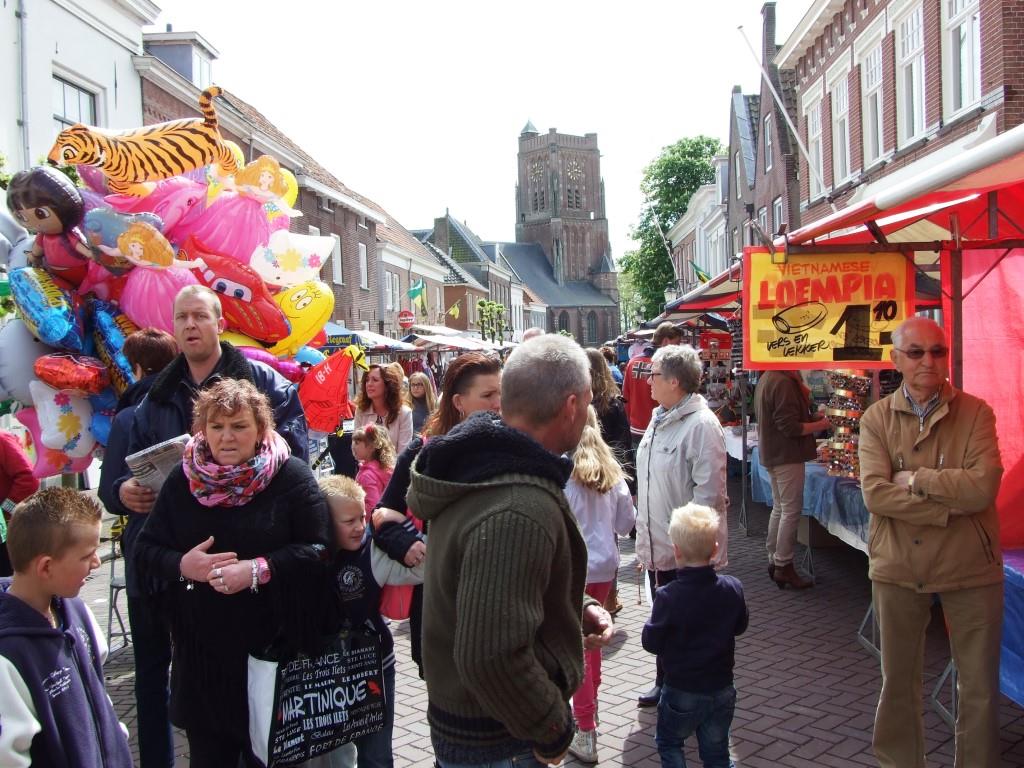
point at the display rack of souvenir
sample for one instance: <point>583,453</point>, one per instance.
<point>850,391</point>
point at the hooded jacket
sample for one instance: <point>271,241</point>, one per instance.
<point>166,410</point>
<point>54,710</point>
<point>943,535</point>
<point>680,459</point>
<point>502,639</point>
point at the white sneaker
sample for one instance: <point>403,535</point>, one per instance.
<point>584,746</point>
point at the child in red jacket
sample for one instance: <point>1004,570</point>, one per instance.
<point>16,484</point>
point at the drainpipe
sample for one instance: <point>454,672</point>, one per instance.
<point>23,62</point>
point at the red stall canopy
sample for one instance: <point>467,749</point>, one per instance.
<point>966,214</point>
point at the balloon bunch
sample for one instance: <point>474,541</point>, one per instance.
<point>101,261</point>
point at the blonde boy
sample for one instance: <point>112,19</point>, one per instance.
<point>54,710</point>
<point>360,570</point>
<point>693,628</point>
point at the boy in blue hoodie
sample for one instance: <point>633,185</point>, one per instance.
<point>54,710</point>
<point>693,628</point>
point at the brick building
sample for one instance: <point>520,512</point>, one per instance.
<point>404,261</point>
<point>174,69</point>
<point>885,86</point>
<point>560,218</point>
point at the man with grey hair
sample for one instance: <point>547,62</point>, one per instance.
<point>930,471</point>
<point>532,333</point>
<point>681,458</point>
<point>504,619</point>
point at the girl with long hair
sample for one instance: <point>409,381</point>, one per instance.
<point>472,383</point>
<point>381,401</point>
<point>421,393</point>
<point>372,448</point>
<point>601,501</point>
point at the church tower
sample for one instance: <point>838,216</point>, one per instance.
<point>560,205</point>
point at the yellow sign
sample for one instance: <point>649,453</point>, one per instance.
<point>823,310</point>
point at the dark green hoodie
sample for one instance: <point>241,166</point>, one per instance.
<point>503,593</point>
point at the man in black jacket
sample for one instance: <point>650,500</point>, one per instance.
<point>166,410</point>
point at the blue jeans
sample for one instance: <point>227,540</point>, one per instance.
<point>709,714</point>
<point>374,749</point>
<point>523,760</point>
<point>151,643</point>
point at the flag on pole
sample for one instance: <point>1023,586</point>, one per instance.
<point>700,273</point>
<point>453,310</point>
<point>421,302</point>
<point>417,289</point>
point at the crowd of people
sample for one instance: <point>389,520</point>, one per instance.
<point>488,514</point>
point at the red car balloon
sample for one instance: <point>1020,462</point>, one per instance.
<point>247,304</point>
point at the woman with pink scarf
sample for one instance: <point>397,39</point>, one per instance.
<point>235,552</point>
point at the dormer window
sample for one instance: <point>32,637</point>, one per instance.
<point>202,76</point>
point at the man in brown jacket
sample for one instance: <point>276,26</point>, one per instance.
<point>930,472</point>
<point>785,432</point>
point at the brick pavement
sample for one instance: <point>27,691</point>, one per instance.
<point>807,689</point>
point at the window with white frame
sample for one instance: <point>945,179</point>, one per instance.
<point>910,75</point>
<point>389,297</point>
<point>840,129</point>
<point>396,291</point>
<point>816,170</point>
<point>364,267</point>
<point>762,219</point>
<point>961,54</point>
<point>871,103</point>
<point>736,174</point>
<point>777,214</point>
<point>438,300</point>
<point>202,75</point>
<point>337,268</point>
<point>767,142</point>
<point>72,104</point>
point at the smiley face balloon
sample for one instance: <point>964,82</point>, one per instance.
<point>307,306</point>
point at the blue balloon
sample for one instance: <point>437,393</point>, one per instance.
<point>309,356</point>
<point>52,312</point>
<point>110,327</point>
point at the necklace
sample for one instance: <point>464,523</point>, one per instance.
<point>52,616</point>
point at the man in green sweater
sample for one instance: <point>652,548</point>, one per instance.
<point>504,619</point>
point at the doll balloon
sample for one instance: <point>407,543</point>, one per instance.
<point>45,201</point>
<point>150,288</point>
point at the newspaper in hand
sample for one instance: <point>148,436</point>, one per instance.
<point>152,465</point>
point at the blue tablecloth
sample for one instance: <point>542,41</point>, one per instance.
<point>1011,667</point>
<point>836,503</point>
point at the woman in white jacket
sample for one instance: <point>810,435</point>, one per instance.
<point>680,459</point>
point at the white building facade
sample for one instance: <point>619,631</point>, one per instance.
<point>67,62</point>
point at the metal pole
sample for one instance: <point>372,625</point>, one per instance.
<point>741,383</point>
<point>956,275</point>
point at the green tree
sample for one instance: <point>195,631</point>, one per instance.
<point>668,183</point>
<point>492,315</point>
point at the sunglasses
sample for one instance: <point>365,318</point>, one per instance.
<point>937,353</point>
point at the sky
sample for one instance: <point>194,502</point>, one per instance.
<point>419,105</point>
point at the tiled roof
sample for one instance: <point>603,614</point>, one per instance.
<point>532,266</point>
<point>746,128</point>
<point>310,166</point>
<point>456,274</point>
<point>393,232</point>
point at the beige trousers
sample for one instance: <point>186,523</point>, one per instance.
<point>974,618</point>
<point>787,504</point>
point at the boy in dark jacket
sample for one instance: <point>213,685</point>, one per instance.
<point>360,570</point>
<point>693,629</point>
<point>54,711</point>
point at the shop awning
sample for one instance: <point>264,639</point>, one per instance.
<point>374,342</point>
<point>430,341</point>
<point>339,337</point>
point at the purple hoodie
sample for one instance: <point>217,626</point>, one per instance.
<point>69,720</point>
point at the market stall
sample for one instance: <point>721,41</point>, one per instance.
<point>962,219</point>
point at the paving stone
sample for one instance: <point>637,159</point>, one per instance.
<point>807,689</point>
